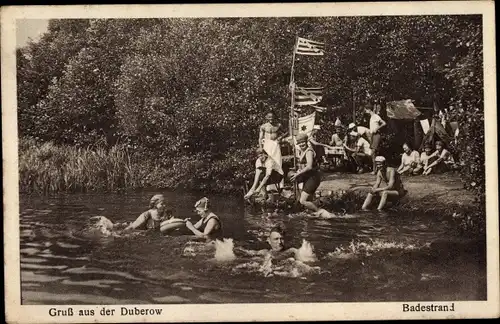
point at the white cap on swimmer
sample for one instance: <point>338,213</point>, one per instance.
<point>380,159</point>
<point>202,204</point>
<point>351,125</point>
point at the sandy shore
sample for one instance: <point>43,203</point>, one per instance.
<point>426,190</point>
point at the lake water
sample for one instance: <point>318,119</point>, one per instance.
<point>365,257</point>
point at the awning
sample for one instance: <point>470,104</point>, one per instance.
<point>402,109</point>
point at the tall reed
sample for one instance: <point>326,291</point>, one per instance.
<point>47,168</point>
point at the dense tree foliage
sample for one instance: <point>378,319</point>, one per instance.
<point>175,89</point>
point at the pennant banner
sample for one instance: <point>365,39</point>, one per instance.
<point>308,96</point>
<point>309,47</point>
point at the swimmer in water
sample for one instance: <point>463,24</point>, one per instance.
<point>158,217</point>
<point>209,226</point>
<point>276,249</point>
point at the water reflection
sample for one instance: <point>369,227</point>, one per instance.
<point>356,258</point>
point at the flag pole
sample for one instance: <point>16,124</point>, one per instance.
<point>353,106</point>
<point>291,118</point>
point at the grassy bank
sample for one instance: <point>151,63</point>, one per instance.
<point>47,168</point>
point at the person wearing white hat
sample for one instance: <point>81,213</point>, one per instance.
<point>361,130</point>
<point>394,189</point>
<point>209,226</point>
<point>361,154</point>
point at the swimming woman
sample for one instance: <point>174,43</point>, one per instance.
<point>209,226</point>
<point>158,217</point>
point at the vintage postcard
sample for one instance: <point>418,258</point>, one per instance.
<point>250,162</point>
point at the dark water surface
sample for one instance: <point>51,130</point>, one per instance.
<point>367,257</point>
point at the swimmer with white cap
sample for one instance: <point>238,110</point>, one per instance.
<point>209,226</point>
<point>394,189</point>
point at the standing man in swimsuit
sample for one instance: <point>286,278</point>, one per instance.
<point>394,189</point>
<point>269,140</point>
<point>269,130</point>
<point>376,123</point>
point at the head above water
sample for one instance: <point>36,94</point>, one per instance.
<point>202,206</point>
<point>351,126</point>
<point>276,238</point>
<point>155,200</point>
<point>158,202</point>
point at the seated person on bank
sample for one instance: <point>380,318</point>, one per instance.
<point>440,161</point>
<point>423,161</point>
<point>209,226</point>
<point>409,160</point>
<point>267,172</point>
<point>394,189</point>
<point>336,146</point>
<point>361,154</point>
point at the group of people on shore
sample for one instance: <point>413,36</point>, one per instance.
<point>429,161</point>
<point>269,174</point>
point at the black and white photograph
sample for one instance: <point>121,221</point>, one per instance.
<point>250,162</point>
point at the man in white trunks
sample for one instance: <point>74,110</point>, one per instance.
<point>269,140</point>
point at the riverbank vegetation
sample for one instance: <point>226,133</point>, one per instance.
<point>117,104</point>
<point>46,168</point>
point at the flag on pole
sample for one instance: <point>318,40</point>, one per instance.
<point>309,47</point>
<point>307,96</point>
<point>318,108</point>
<point>305,124</point>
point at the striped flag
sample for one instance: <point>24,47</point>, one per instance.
<point>307,96</point>
<point>309,47</point>
<point>318,108</point>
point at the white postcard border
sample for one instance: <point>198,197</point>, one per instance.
<point>242,312</point>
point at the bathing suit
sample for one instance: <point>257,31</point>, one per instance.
<point>311,178</point>
<point>269,167</point>
<point>216,231</point>
<point>149,222</point>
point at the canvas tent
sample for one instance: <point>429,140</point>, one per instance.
<point>426,128</point>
